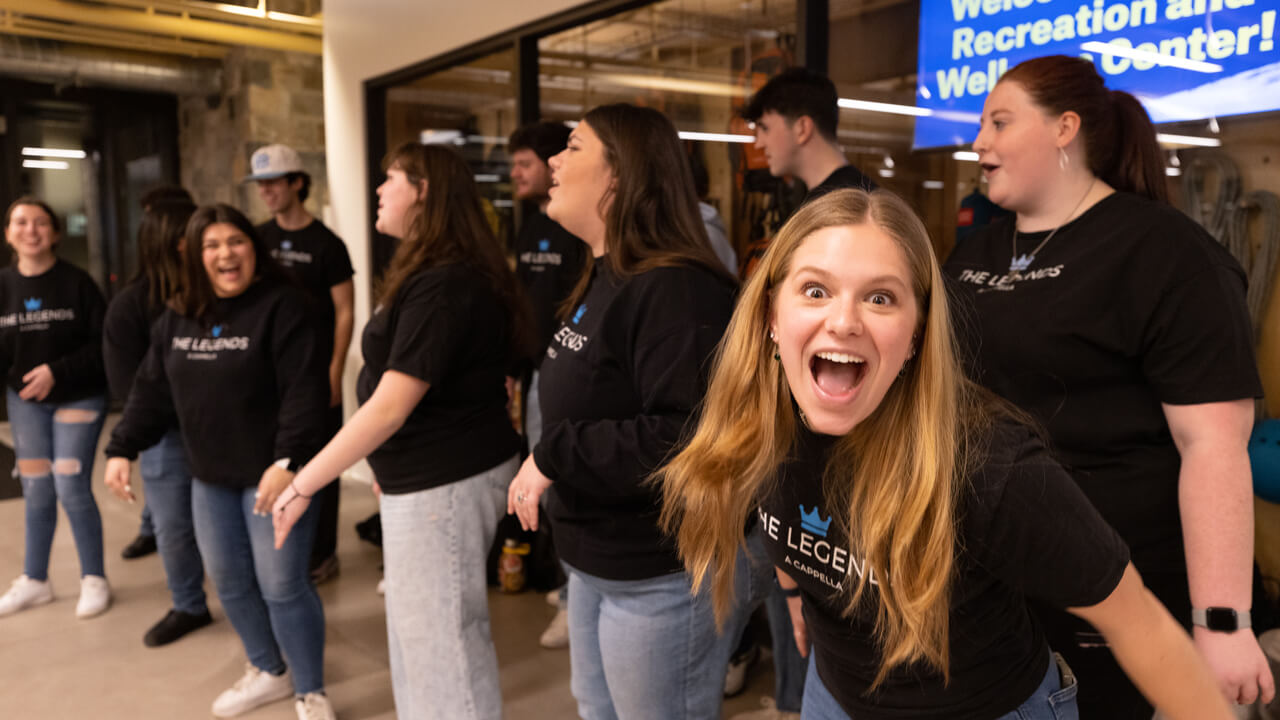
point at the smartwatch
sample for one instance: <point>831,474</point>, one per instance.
<point>1220,619</point>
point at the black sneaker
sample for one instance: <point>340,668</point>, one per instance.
<point>173,626</point>
<point>142,546</point>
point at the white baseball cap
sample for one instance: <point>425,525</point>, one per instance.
<point>273,161</point>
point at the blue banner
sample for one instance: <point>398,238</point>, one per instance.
<point>1184,59</point>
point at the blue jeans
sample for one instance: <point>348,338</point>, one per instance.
<point>266,593</point>
<point>435,543</point>
<point>789,666</point>
<point>641,649</point>
<point>56,444</point>
<point>1050,701</point>
<point>147,526</point>
<point>167,482</point>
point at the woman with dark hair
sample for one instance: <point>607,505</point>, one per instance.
<point>126,336</point>
<point>233,363</point>
<point>434,426</point>
<point>622,376</point>
<point>51,353</point>
<point>1121,327</point>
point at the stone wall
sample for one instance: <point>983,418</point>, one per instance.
<point>268,97</point>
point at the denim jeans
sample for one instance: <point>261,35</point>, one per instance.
<point>435,544</point>
<point>266,593</point>
<point>146,527</point>
<point>63,437</point>
<point>166,480</point>
<point>649,649</point>
<point>1050,701</point>
<point>789,666</point>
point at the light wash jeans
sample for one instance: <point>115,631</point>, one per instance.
<point>166,481</point>
<point>649,649</point>
<point>434,547</point>
<point>266,593</point>
<point>1050,701</point>
<point>69,446</point>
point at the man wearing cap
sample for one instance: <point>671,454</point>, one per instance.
<point>318,259</point>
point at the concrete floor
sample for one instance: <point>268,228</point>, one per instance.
<point>54,666</point>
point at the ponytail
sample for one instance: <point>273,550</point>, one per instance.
<point>1137,165</point>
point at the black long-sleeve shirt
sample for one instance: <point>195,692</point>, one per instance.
<point>247,391</point>
<point>56,318</point>
<point>620,380</point>
<point>126,335</point>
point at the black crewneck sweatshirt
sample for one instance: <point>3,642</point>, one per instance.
<point>620,381</point>
<point>249,390</point>
<point>126,335</point>
<point>56,318</point>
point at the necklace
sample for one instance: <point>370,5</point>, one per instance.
<point>1019,263</point>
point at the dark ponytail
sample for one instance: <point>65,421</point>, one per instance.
<point>1119,140</point>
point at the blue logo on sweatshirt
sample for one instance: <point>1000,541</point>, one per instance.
<point>32,304</point>
<point>813,523</point>
<point>216,331</point>
<point>544,245</point>
<point>577,314</point>
<point>286,244</point>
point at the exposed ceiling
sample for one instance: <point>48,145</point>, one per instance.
<point>181,27</point>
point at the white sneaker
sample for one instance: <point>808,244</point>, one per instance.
<point>25,593</point>
<point>553,598</point>
<point>254,689</point>
<point>95,596</point>
<point>314,706</point>
<point>382,586</point>
<point>556,635</point>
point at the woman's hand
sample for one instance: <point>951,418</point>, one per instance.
<point>288,508</point>
<point>274,480</point>
<point>524,492</point>
<point>116,476</point>
<point>39,381</point>
<point>1238,664</point>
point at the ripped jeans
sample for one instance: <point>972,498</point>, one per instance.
<point>55,445</point>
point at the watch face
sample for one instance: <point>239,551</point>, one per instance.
<point>1221,619</point>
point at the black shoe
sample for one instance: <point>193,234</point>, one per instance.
<point>173,626</point>
<point>142,546</point>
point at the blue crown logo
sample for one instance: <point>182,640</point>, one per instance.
<point>286,244</point>
<point>544,245</point>
<point>577,314</point>
<point>1021,263</point>
<point>260,161</point>
<point>811,522</point>
<point>216,331</point>
<point>32,304</point>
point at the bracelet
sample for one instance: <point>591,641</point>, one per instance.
<point>296,492</point>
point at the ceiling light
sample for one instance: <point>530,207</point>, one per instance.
<point>486,178</point>
<point>966,155</point>
<point>885,172</point>
<point>46,164</point>
<point>1152,57</point>
<point>933,184</point>
<point>1173,171</point>
<point>53,152</point>
<point>717,137</point>
<point>888,162</point>
<point>1193,140</point>
<point>891,108</point>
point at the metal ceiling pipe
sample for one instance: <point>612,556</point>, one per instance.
<point>36,59</point>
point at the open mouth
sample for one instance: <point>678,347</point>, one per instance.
<point>836,374</point>
<point>988,168</point>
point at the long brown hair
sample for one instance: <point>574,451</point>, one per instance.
<point>1119,140</point>
<point>897,475</point>
<point>195,298</point>
<point>159,248</point>
<point>652,218</point>
<point>447,226</point>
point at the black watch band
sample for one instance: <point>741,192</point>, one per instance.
<point>786,591</point>
<point>1221,619</point>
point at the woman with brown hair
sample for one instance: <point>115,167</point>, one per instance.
<point>910,515</point>
<point>434,426</point>
<point>1121,327</point>
<point>623,374</point>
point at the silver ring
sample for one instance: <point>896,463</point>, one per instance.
<point>519,497</point>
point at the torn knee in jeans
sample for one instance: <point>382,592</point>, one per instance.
<point>37,467</point>
<point>75,415</point>
<point>66,466</point>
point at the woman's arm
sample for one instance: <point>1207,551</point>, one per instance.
<point>1215,495</point>
<point>396,395</point>
<point>1156,653</point>
<point>344,301</point>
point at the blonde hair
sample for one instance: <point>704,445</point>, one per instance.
<point>897,474</point>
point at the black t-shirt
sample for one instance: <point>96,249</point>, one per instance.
<point>549,262</point>
<point>247,391</point>
<point>445,327</point>
<point>126,335</point>
<point>1025,531</point>
<point>318,259</point>
<point>620,380</point>
<point>56,318</point>
<point>1128,306</point>
<point>845,176</point>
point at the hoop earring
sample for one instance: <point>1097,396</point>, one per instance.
<point>1063,160</point>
